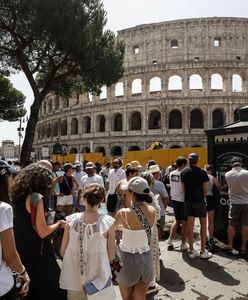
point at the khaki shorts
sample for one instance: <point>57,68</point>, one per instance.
<point>73,295</point>
<point>238,214</point>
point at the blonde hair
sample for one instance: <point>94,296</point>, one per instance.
<point>94,194</point>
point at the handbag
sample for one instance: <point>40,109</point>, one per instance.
<point>107,293</point>
<point>111,203</point>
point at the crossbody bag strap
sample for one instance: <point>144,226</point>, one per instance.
<point>67,183</point>
<point>144,221</point>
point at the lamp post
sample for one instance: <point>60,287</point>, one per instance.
<point>20,130</point>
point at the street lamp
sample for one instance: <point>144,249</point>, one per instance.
<point>20,130</point>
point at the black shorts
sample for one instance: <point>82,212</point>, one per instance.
<point>195,209</point>
<point>211,203</point>
<point>178,208</point>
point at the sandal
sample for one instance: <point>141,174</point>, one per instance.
<point>243,254</point>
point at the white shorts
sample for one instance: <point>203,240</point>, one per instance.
<point>65,200</point>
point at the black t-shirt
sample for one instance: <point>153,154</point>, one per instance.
<point>193,179</point>
<point>66,185</point>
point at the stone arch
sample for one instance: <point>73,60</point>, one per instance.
<point>119,89</point>
<point>117,122</point>
<point>217,118</point>
<point>100,123</point>
<point>116,151</point>
<point>85,150</point>
<point>100,149</point>
<point>175,83</point>
<point>175,119</point>
<point>42,132</point>
<point>154,121</point>
<point>135,121</point>
<point>134,148</point>
<point>216,82</point>
<point>175,147</point>
<point>86,126</point>
<point>236,115</point>
<point>136,86</point>
<point>196,146</point>
<point>73,150</point>
<point>55,129</point>
<point>74,126</point>
<point>56,102</point>
<point>103,94</point>
<point>63,127</point>
<point>237,83</point>
<point>195,82</point>
<point>155,84</point>
<point>48,131</point>
<point>196,119</point>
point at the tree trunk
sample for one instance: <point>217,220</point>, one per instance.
<point>30,130</point>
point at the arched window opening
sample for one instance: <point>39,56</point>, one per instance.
<point>135,121</point>
<point>100,149</point>
<point>119,89</point>
<point>134,148</point>
<point>216,82</point>
<point>155,85</point>
<point>103,94</point>
<point>85,150</point>
<point>175,83</point>
<point>86,125</point>
<point>117,122</point>
<point>50,105</point>
<point>48,131</point>
<point>218,118</point>
<point>44,108</point>
<point>154,121</point>
<point>55,129</point>
<point>175,119</point>
<point>73,150</point>
<point>66,102</point>
<point>136,86</point>
<point>56,102</point>
<point>74,126</point>
<point>116,151</point>
<point>90,97</point>
<point>236,83</point>
<point>195,82</point>
<point>100,123</point>
<point>236,115</point>
<point>175,147</point>
<point>196,119</point>
<point>63,129</point>
<point>42,131</point>
<point>39,131</point>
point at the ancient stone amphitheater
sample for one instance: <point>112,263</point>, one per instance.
<point>181,77</point>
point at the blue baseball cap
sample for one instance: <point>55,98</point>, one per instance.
<point>151,163</point>
<point>193,157</point>
<point>5,168</point>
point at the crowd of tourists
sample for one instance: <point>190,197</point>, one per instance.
<point>105,224</point>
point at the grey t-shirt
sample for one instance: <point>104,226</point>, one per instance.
<point>237,180</point>
<point>159,189</point>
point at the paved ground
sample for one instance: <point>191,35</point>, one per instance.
<point>221,277</point>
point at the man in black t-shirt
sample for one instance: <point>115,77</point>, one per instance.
<point>195,182</point>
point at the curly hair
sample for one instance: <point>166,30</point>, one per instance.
<point>94,194</point>
<point>31,179</point>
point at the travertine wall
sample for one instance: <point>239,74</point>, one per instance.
<point>182,108</point>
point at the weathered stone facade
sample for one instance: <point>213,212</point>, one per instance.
<point>181,77</point>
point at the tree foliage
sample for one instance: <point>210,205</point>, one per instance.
<point>11,101</point>
<point>61,46</point>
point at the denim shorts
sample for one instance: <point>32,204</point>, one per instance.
<point>136,267</point>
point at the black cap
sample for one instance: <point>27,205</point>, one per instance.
<point>236,160</point>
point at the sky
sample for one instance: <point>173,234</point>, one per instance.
<point>128,13</point>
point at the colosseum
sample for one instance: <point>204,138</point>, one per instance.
<point>181,77</point>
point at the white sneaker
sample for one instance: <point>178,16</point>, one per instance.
<point>184,246</point>
<point>205,254</point>
<point>152,289</point>
<point>194,254</point>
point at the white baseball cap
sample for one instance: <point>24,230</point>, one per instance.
<point>137,185</point>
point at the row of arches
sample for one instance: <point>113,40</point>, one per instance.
<point>175,121</point>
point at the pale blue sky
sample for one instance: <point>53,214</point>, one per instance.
<point>127,13</point>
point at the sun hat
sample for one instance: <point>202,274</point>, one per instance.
<point>135,164</point>
<point>90,165</point>
<point>154,169</point>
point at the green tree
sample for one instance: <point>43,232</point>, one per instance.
<point>61,46</point>
<point>11,101</point>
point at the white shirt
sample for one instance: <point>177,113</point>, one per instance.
<point>237,180</point>
<point>86,180</point>
<point>177,188</point>
<point>79,175</point>
<point>159,189</point>
<point>114,177</point>
<point>6,222</point>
